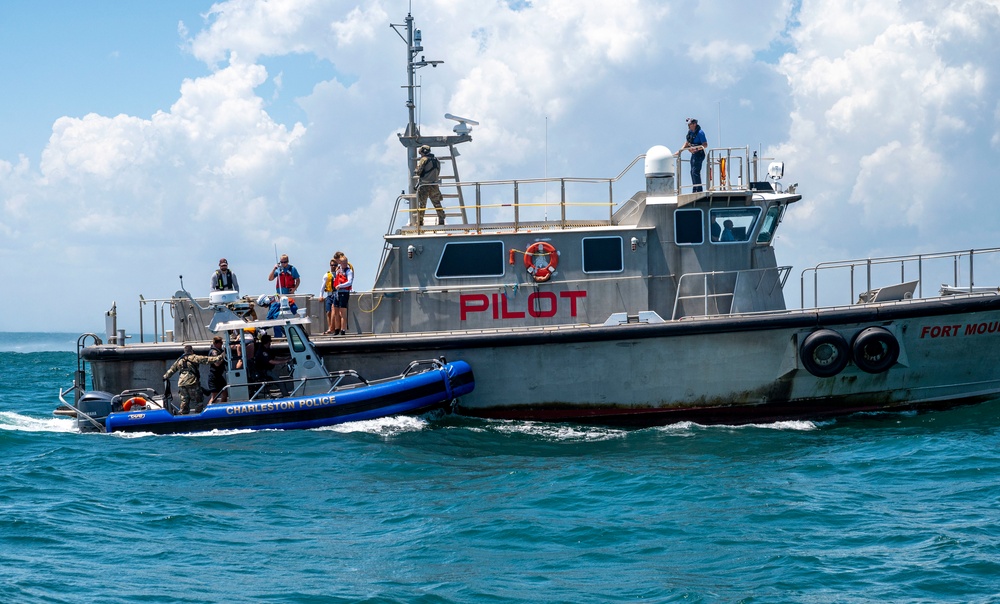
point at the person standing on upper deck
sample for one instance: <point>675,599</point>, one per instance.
<point>287,275</point>
<point>224,279</point>
<point>695,142</point>
<point>427,174</point>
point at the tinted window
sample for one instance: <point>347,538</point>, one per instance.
<point>295,341</point>
<point>771,220</point>
<point>687,227</point>
<point>602,255</point>
<point>471,260</point>
<point>732,225</point>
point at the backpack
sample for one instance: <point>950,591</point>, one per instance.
<point>192,367</point>
<point>431,169</point>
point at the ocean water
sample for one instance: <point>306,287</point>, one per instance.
<point>890,508</point>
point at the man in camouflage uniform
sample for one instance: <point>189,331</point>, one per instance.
<point>427,173</point>
<point>189,380</point>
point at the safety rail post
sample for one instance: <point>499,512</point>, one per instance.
<point>972,271</point>
<point>562,202</point>
<point>611,199</point>
<point>954,270</point>
<point>920,275</point>
<point>141,303</point>
<point>704,289</point>
<point>517,207</point>
<point>479,208</point>
<point>868,282</point>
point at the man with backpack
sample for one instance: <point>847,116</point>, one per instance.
<point>189,380</point>
<point>427,173</point>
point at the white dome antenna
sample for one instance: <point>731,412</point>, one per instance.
<point>463,123</point>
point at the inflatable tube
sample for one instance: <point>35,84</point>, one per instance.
<point>824,353</point>
<point>875,350</point>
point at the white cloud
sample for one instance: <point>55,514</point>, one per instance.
<point>888,125</point>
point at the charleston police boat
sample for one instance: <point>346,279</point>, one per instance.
<point>660,306</point>
<point>306,396</point>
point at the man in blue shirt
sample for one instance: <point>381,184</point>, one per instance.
<point>695,142</point>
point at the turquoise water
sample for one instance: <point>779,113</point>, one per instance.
<point>897,508</point>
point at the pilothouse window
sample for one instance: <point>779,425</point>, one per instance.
<point>687,227</point>
<point>479,259</point>
<point>771,220</point>
<point>732,225</point>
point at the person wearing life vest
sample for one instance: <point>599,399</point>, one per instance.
<point>328,291</point>
<point>696,142</point>
<point>427,174</point>
<point>189,380</point>
<point>287,276</point>
<point>343,281</point>
<point>224,279</point>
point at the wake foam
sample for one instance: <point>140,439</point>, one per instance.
<point>23,423</point>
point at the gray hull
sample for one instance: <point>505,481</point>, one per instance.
<point>730,370</point>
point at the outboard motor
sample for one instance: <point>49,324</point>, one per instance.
<point>97,405</point>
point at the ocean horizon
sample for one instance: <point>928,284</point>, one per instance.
<point>885,507</point>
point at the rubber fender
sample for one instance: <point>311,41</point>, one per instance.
<point>824,353</point>
<point>875,349</point>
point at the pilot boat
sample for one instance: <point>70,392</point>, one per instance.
<point>653,307</point>
<point>305,396</point>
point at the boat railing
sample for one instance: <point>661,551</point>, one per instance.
<point>159,310</point>
<point>292,386</point>
<point>525,203</point>
<point>715,292</point>
<point>80,375</point>
<point>956,270</point>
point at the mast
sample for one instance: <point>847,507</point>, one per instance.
<point>411,138</point>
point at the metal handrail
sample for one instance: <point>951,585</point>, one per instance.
<point>738,175</point>
<point>783,273</point>
<point>516,205</point>
<point>957,258</point>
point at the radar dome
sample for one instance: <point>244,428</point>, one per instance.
<point>659,162</point>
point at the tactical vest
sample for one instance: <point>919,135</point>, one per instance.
<point>224,280</point>
<point>189,367</point>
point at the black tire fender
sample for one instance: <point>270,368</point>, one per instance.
<point>875,349</point>
<point>824,353</point>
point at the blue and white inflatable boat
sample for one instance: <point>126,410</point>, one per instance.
<point>307,395</point>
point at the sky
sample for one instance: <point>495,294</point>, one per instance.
<point>142,141</point>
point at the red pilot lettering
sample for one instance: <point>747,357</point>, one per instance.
<point>540,305</point>
<point>507,314</point>
<point>472,303</point>
<point>573,295</point>
<point>535,309</point>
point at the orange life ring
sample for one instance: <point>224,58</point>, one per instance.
<point>135,401</point>
<point>544,272</point>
